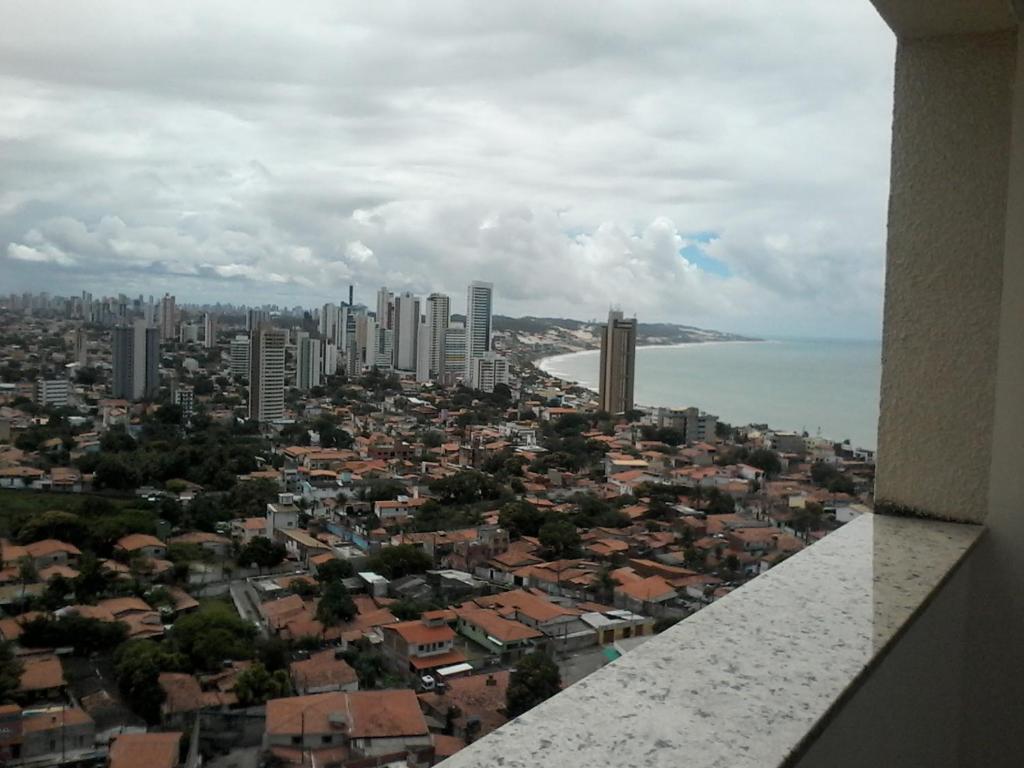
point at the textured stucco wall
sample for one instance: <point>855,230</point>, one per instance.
<point>944,274</point>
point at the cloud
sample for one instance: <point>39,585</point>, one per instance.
<point>568,152</point>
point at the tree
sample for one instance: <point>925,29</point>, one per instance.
<point>380,490</point>
<point>560,539</point>
<point>336,605</point>
<point>466,487</point>
<point>84,634</point>
<point>765,459</point>
<point>10,671</point>
<point>334,570</point>
<point>137,666</point>
<point>535,679</point>
<point>521,518</point>
<point>211,635</point>
<point>396,562</point>
<point>261,552</point>
<point>256,685</point>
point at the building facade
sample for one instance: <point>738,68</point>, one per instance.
<point>136,359</point>
<point>479,308</point>
<point>618,363</point>
<point>438,317</point>
<point>266,373</point>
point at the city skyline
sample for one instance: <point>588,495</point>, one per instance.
<point>712,200</point>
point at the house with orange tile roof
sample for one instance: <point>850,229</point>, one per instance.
<point>479,701</point>
<point>334,728</point>
<point>146,750</point>
<point>420,645</point>
<point>644,595</point>
<point>504,637</point>
<point>322,672</point>
<point>42,679</point>
<point>217,545</point>
<point>141,545</point>
<point>48,735</point>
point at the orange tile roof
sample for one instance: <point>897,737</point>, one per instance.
<point>490,623</point>
<point>135,541</point>
<point>54,720</point>
<point>419,633</point>
<point>369,714</point>
<point>145,750</point>
<point>41,673</point>
<point>322,669</point>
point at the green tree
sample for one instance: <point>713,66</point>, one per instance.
<point>334,570</point>
<point>336,605</point>
<point>521,518</point>
<point>396,562</point>
<point>767,460</point>
<point>466,487</point>
<point>10,671</point>
<point>535,679</point>
<point>137,667</point>
<point>256,685</point>
<point>211,635</point>
<point>560,539</point>
<point>261,552</point>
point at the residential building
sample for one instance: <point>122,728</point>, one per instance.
<point>308,362</point>
<point>385,308</point>
<point>407,327</point>
<point>332,728</point>
<point>421,644</point>
<point>240,356</point>
<point>331,324</point>
<point>423,353</point>
<point>53,735</point>
<point>454,353</point>
<point>695,425</point>
<point>438,318</point>
<point>209,331</point>
<point>185,398</point>
<point>167,317</point>
<point>479,309</point>
<point>135,359</point>
<point>254,318</point>
<point>329,358</point>
<point>385,348</point>
<point>146,750</point>
<point>489,370</point>
<point>617,369</point>
<point>322,672</point>
<point>81,347</point>
<point>52,392</point>
<point>266,373</point>
<point>281,515</point>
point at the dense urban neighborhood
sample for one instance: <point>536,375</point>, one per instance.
<point>344,537</point>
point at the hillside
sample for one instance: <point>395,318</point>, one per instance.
<point>535,337</point>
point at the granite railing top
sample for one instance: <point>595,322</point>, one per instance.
<point>747,680</point>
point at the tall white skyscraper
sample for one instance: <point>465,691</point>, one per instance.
<point>438,316</point>
<point>479,306</point>
<point>423,352</point>
<point>167,314</point>
<point>331,324</point>
<point>407,326</point>
<point>266,373</point>
<point>308,363</point>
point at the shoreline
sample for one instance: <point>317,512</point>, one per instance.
<point>541,362</point>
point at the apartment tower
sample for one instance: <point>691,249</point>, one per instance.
<point>618,357</point>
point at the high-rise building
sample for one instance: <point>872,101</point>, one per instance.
<point>240,356</point>
<point>423,352</point>
<point>136,361</point>
<point>330,358</point>
<point>438,318</point>
<point>254,318</point>
<point>188,333</point>
<point>366,341</point>
<point>266,373</point>
<point>384,356</point>
<point>308,365</point>
<point>52,392</point>
<point>407,327</point>
<point>209,330</point>
<point>454,366</point>
<point>185,398</point>
<point>489,370</point>
<point>331,323</point>
<point>479,306</point>
<point>167,317</point>
<point>385,308</point>
<point>81,347</point>
<point>618,357</point>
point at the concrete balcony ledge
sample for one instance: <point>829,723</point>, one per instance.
<point>752,679</point>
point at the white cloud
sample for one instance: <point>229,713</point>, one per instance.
<point>566,151</point>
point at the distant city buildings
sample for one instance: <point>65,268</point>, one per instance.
<point>266,373</point>
<point>617,370</point>
<point>209,331</point>
<point>438,319</point>
<point>135,358</point>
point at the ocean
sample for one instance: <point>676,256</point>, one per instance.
<point>824,387</point>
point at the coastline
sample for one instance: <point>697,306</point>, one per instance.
<point>541,363</point>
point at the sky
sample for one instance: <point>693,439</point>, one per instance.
<point>720,164</point>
